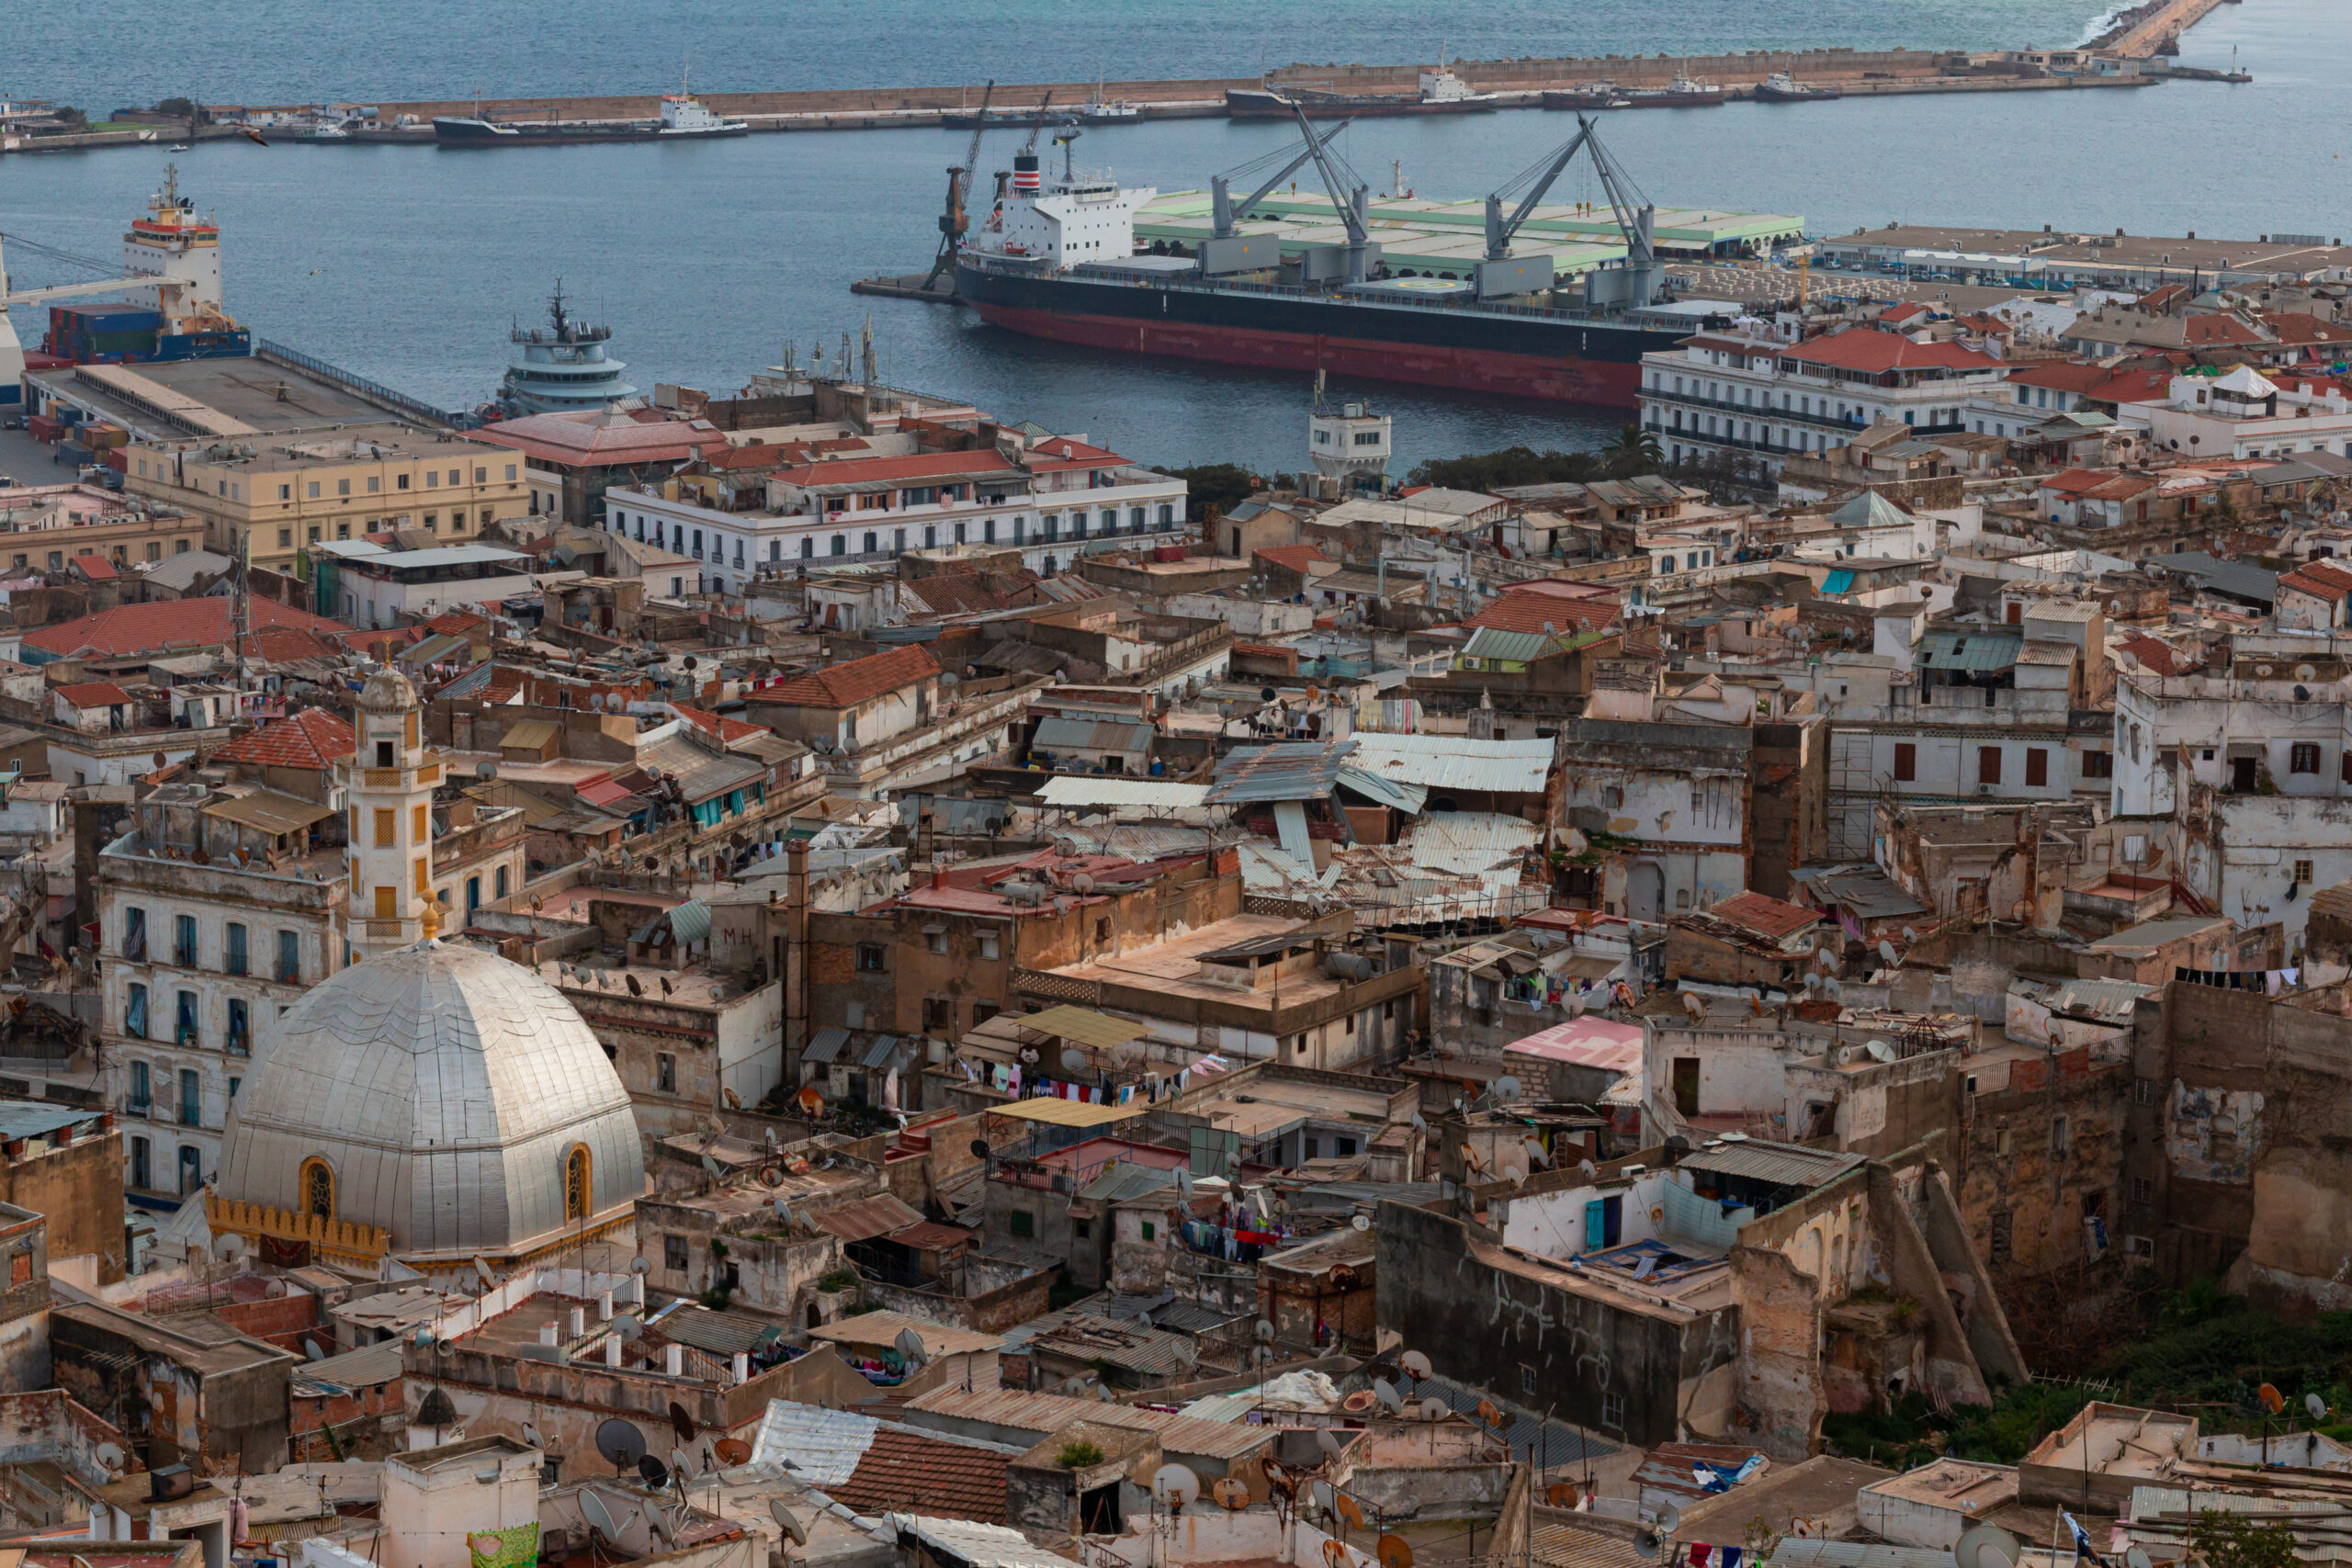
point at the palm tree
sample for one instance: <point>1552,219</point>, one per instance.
<point>1636,451</point>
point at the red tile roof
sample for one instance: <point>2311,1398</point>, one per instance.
<point>860,680</point>
<point>458,623</point>
<point>1294,558</point>
<point>312,738</point>
<point>1765,914</point>
<point>716,724</point>
<point>1873,351</point>
<point>896,470</point>
<point>175,623</point>
<point>1530,607</point>
<point>923,1475</point>
<point>95,694</point>
<point>2322,580</point>
<point>602,439</point>
<point>97,568</point>
<point>1061,452</point>
<point>2160,657</point>
<point>2210,328</point>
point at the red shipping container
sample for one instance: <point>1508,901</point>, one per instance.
<point>41,427</point>
<point>118,459</point>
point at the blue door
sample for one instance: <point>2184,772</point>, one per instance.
<point>1596,1226</point>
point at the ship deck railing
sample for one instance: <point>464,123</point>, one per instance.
<point>374,392</point>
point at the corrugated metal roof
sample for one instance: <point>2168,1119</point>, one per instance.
<point>529,735</point>
<point>370,1366</point>
<point>865,1219</point>
<point>1147,1350</point>
<point>1123,1179</point>
<point>1515,647</point>
<point>690,922</point>
<point>825,1046</point>
<point>1456,761</point>
<point>700,774</point>
<point>1406,797</point>
<point>721,1332</point>
<point>1044,1413</point>
<point>1109,790</point>
<point>1298,769</point>
<point>1973,649</point>
<point>823,1445</point>
<point>1787,1165</point>
<point>975,1545</point>
<point>269,811</point>
<point>880,1051</point>
<point>1464,843</point>
<point>1090,735</point>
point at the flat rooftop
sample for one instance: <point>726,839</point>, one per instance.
<point>1173,967</point>
<point>246,390</point>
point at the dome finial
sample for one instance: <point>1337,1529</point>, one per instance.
<point>430,921</point>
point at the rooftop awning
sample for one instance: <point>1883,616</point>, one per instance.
<point>1069,1112</point>
<point>1083,1026</point>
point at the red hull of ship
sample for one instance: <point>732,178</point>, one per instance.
<point>1597,382</point>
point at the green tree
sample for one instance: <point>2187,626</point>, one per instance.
<point>1220,485</point>
<point>2236,1541</point>
<point>1636,451</point>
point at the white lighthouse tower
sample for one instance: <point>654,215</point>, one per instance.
<point>389,783</point>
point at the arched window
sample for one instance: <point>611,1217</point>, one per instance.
<point>576,1183</point>
<point>318,1187</point>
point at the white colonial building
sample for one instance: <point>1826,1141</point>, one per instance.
<point>1053,499</point>
<point>1756,397</point>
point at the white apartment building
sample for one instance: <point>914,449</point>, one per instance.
<point>1758,397</point>
<point>2245,413</point>
<point>1054,500</point>
<point>2241,773</point>
<point>200,960</point>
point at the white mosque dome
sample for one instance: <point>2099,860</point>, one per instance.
<point>444,1094</point>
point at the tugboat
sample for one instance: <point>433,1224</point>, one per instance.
<point>1781,88</point>
<point>1683,94</point>
<point>562,367</point>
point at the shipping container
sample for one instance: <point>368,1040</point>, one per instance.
<point>72,452</point>
<point>118,459</point>
<point>41,427</point>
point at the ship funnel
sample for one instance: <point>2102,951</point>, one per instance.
<point>1024,173</point>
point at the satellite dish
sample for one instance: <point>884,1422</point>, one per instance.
<point>979,1149</point>
<point>1586,1167</point>
<point>1327,1443</point>
<point>680,1423</point>
<point>783,1212</point>
<point>1361,1222</point>
<point>1265,1331</point>
<point>2272,1400</point>
<point>1985,1546</point>
<point>310,1351</point>
<point>1075,1061</point>
<point>1420,1126</point>
<point>1326,1499</point>
<point>732,1450</point>
<point>1413,1364</point>
<point>1537,1156</point>
<point>1231,1495</point>
<point>628,1327</point>
<point>1360,1401</point>
<point>1669,1518</point>
<point>1264,1355</point>
<point>2316,1406</point>
<point>620,1443</point>
<point>713,1169</point>
<point>2137,1558</point>
<point>1187,1352</point>
<point>110,1456</point>
<point>1561,1494</point>
<point>531,1436</point>
<point>1506,1087</point>
<point>1175,1485</point>
<point>1435,1410</point>
<point>792,1530</point>
<point>1390,1400</point>
<point>656,1473</point>
<point>640,1266</point>
<point>910,1343</point>
<point>481,1271</point>
<point>599,1517</point>
<point>1394,1551</point>
<point>1514,1173</point>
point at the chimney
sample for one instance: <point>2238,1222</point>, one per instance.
<point>604,1307</point>
<point>612,1349</point>
<point>673,1359</point>
<point>742,1366</point>
<point>547,1332</point>
<point>579,1322</point>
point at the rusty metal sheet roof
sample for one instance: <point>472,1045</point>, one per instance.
<point>865,1219</point>
<point>1299,769</point>
<point>1787,1165</point>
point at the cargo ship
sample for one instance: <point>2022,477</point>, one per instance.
<point>1440,92</point>
<point>176,317</point>
<point>683,117</point>
<point>1057,261</point>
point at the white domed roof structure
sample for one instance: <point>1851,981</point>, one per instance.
<point>444,1095</point>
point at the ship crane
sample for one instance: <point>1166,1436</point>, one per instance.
<point>956,220</point>
<point>1355,208</point>
<point>1221,197</point>
<point>1636,283</point>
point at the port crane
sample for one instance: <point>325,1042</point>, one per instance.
<point>1225,211</point>
<point>956,219</point>
<point>1636,282</point>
